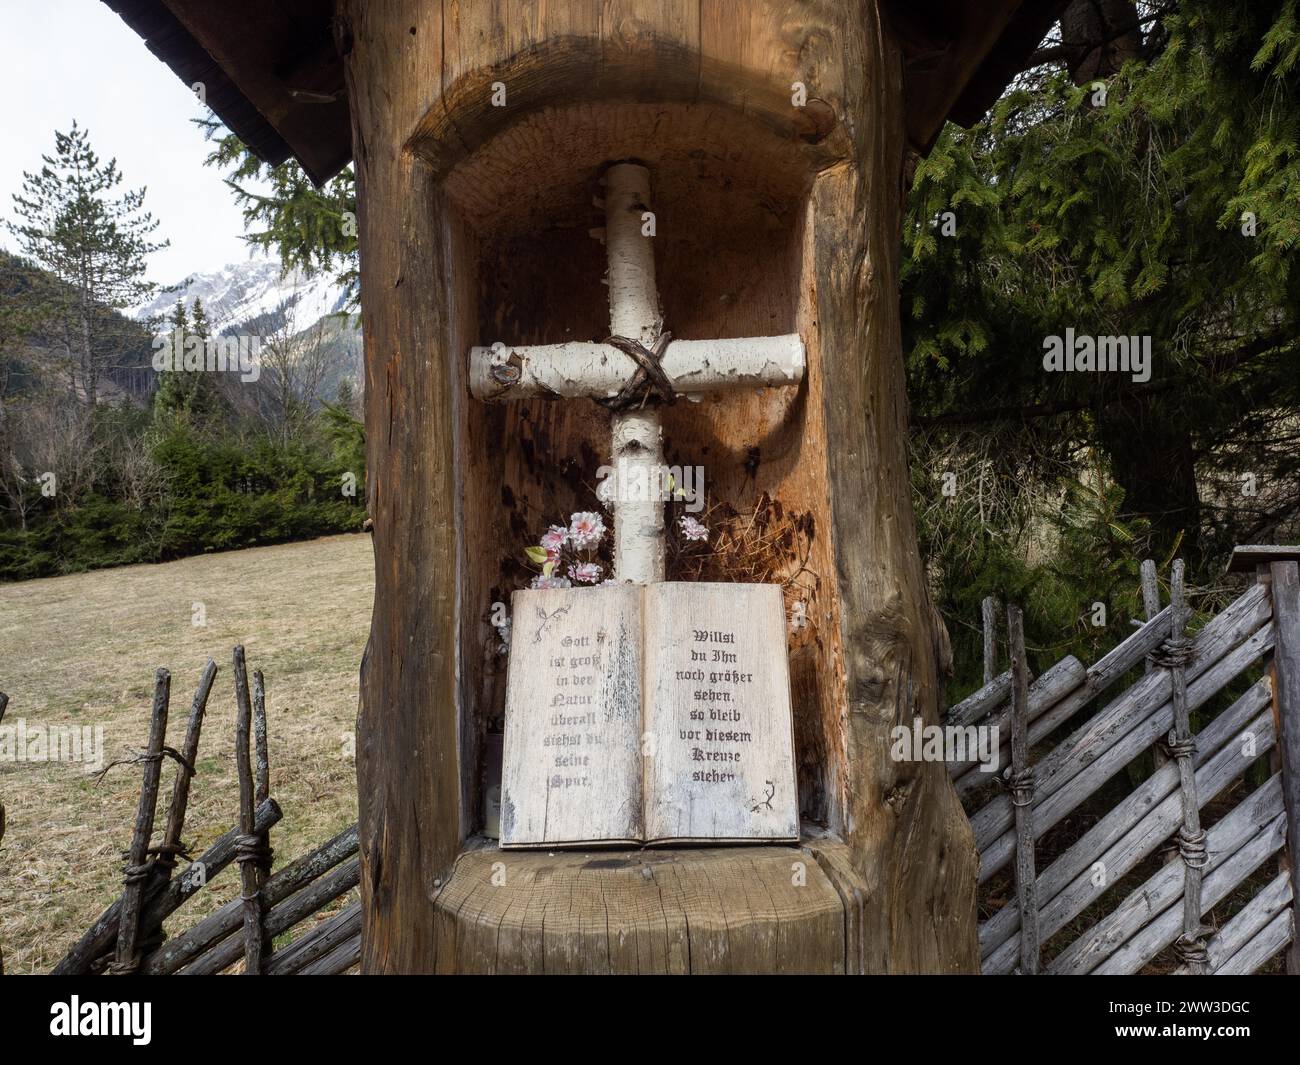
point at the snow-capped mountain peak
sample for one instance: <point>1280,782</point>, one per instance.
<point>244,292</point>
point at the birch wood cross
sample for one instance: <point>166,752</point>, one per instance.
<point>605,371</point>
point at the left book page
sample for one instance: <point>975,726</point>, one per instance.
<point>572,773</point>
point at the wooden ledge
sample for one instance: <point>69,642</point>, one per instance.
<point>1245,558</point>
<point>793,909</point>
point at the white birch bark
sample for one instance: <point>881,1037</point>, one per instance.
<point>634,313</point>
<point>578,370</point>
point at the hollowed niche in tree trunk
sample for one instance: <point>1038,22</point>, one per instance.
<point>729,200</point>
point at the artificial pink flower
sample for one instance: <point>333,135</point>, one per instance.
<point>553,542</point>
<point>585,529</point>
<point>585,572</point>
<point>551,582</point>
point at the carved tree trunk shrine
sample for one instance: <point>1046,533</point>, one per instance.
<point>481,143</point>
<point>747,163</point>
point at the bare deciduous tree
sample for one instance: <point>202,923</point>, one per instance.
<point>294,360</point>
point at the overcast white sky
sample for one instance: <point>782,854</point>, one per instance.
<point>66,59</point>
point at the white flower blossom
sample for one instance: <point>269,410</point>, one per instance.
<point>692,529</point>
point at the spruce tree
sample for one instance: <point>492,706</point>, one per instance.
<point>95,240</point>
<point>199,319</point>
<point>170,400</point>
<point>1153,198</point>
<point>205,399</point>
<point>310,229</point>
<point>188,394</point>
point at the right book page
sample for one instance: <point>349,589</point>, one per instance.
<point>719,745</point>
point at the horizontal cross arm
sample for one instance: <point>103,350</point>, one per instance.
<point>599,371</point>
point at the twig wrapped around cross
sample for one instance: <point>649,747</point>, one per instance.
<point>638,367</point>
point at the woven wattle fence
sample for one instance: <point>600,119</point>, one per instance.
<point>1220,804</point>
<point>129,937</point>
<point>1105,903</point>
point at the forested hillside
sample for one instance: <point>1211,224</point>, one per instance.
<point>112,452</point>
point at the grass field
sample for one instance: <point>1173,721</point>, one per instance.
<point>81,650</point>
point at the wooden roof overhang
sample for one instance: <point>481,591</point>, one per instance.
<point>272,73</point>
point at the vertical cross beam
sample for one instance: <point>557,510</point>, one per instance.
<point>634,313</point>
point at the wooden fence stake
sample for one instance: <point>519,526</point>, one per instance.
<point>1022,794</point>
<point>248,850</point>
<point>137,871</point>
<point>262,762</point>
<point>1286,687</point>
<point>1151,606</point>
<point>1175,656</point>
<point>1150,596</point>
<point>171,846</point>
<point>989,609</point>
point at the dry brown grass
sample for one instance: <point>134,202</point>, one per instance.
<point>82,650</point>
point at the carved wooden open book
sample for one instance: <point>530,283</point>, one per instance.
<point>648,714</point>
